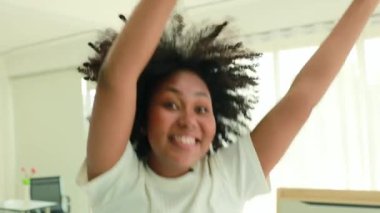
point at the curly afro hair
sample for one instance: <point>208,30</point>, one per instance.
<point>224,65</point>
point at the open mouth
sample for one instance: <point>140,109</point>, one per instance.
<point>184,141</point>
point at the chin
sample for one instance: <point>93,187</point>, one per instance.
<point>185,164</point>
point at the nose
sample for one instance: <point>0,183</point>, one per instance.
<point>187,119</point>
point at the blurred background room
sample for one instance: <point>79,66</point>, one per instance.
<point>44,103</point>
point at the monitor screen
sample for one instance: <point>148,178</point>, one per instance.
<point>46,189</point>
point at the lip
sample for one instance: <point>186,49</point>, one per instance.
<point>184,146</point>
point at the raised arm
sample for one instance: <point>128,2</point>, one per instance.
<point>115,101</point>
<point>274,133</point>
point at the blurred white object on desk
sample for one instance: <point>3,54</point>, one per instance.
<point>22,206</point>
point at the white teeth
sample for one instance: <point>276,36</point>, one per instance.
<point>185,139</point>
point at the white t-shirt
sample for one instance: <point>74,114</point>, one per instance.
<point>221,182</point>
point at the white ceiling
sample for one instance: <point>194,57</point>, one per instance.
<point>26,22</point>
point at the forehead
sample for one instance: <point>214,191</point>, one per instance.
<point>185,82</point>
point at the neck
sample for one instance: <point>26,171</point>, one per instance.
<point>166,170</point>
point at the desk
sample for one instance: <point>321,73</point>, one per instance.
<point>327,201</point>
<point>22,206</point>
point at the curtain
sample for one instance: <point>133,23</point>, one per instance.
<point>339,146</point>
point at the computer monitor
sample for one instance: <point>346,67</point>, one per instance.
<point>47,189</point>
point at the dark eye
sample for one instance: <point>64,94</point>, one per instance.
<point>201,110</point>
<point>171,106</point>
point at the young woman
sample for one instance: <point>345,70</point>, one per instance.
<point>167,102</point>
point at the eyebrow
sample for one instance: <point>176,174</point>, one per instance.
<point>176,91</point>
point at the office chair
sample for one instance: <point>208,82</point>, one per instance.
<point>49,189</point>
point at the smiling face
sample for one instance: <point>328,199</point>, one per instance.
<point>181,124</point>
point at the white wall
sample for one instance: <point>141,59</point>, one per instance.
<point>49,125</point>
<point>7,159</point>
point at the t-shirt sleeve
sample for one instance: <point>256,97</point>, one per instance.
<point>240,166</point>
<point>124,174</point>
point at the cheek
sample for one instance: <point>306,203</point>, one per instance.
<point>159,120</point>
<point>210,128</point>
<point>155,126</point>
<point>153,118</point>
